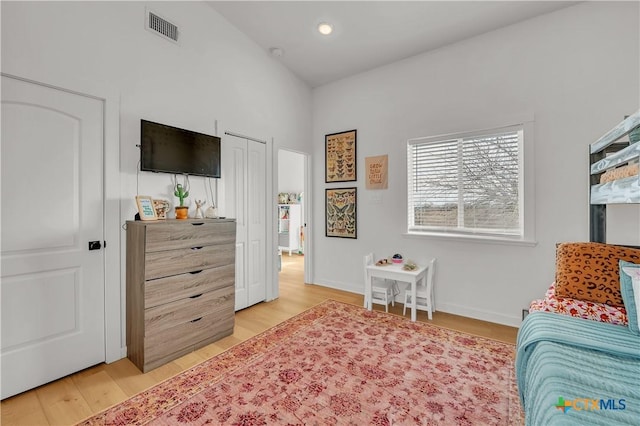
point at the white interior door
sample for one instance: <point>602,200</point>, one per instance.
<point>52,287</point>
<point>243,174</point>
<point>257,226</point>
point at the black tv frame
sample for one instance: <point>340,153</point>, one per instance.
<point>175,159</point>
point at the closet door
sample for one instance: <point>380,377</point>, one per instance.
<point>244,198</point>
<point>256,223</point>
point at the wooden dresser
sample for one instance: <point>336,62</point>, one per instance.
<point>180,287</point>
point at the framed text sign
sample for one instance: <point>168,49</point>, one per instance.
<point>376,169</point>
<point>340,157</point>
<point>340,206</point>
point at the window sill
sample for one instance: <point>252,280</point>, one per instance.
<point>472,238</point>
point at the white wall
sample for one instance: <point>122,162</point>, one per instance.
<point>214,73</point>
<point>290,171</point>
<point>575,70</point>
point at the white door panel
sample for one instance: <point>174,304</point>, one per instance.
<point>233,169</point>
<point>23,320</point>
<point>256,281</point>
<point>257,231</point>
<point>240,275</point>
<point>50,163</point>
<point>52,205</point>
<point>244,196</point>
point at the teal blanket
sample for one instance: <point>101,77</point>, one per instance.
<point>572,371</point>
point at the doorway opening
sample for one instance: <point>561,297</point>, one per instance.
<point>292,215</point>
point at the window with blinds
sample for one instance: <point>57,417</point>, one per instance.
<point>468,184</point>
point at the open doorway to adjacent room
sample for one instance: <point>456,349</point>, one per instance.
<point>292,211</point>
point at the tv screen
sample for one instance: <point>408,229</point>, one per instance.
<point>172,150</point>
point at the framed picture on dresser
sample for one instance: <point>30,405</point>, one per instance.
<point>146,209</point>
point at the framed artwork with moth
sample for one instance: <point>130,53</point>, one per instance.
<point>340,157</point>
<point>341,209</point>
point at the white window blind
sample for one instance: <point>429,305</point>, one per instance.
<point>470,183</point>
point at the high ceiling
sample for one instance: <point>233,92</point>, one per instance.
<point>368,34</point>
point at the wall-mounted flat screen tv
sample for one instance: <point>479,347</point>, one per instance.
<point>169,149</point>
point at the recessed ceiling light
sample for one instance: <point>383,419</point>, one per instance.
<point>324,28</point>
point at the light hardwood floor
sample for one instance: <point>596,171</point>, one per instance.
<point>73,398</point>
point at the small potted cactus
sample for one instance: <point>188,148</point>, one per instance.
<point>182,211</point>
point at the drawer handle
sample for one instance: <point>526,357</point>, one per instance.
<point>195,272</point>
<point>196,248</point>
<point>196,296</point>
<point>197,223</point>
<point>196,320</point>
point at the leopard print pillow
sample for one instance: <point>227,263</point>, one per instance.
<point>590,271</point>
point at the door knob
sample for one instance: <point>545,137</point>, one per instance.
<point>95,245</point>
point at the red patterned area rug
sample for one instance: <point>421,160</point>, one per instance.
<point>338,364</point>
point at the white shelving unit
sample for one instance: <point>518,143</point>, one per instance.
<point>289,222</point>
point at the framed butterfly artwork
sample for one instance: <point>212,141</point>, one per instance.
<point>340,157</point>
<point>340,207</point>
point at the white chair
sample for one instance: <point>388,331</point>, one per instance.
<point>383,292</point>
<point>424,293</point>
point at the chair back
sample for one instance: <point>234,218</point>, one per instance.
<point>431,271</point>
<point>430,289</point>
<point>368,260</point>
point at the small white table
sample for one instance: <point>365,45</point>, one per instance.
<point>395,272</point>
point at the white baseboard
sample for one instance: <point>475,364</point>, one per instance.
<point>351,288</point>
<point>465,311</point>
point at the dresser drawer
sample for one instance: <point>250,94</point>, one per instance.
<point>177,235</point>
<point>184,338</point>
<point>176,287</point>
<point>190,309</point>
<point>173,262</point>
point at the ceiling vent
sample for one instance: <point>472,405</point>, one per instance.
<point>160,26</point>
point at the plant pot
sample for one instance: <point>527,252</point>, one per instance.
<point>182,212</point>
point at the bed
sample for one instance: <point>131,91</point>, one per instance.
<point>573,371</point>
<point>578,350</point>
